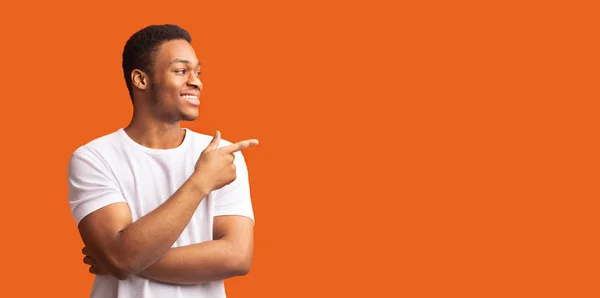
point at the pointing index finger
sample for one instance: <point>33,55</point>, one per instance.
<point>240,146</point>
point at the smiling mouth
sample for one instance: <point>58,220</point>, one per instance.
<point>193,99</point>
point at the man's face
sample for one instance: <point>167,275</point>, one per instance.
<point>175,85</point>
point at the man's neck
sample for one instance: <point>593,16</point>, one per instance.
<point>155,135</point>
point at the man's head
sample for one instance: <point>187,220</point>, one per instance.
<point>162,71</point>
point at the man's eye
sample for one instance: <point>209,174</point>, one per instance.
<point>181,71</point>
<point>198,73</point>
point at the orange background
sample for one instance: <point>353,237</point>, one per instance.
<point>439,149</point>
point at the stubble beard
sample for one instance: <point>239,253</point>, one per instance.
<point>163,110</point>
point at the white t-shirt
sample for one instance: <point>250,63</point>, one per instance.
<point>114,168</point>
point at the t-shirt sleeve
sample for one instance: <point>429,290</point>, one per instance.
<point>91,185</point>
<point>234,198</point>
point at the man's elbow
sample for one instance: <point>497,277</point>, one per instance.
<point>120,269</point>
<point>121,274</point>
<point>240,264</point>
<point>243,268</point>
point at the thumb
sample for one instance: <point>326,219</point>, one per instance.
<point>214,143</point>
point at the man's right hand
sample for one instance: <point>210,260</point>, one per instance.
<point>215,168</point>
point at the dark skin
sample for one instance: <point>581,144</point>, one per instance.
<point>117,246</point>
<point>159,106</point>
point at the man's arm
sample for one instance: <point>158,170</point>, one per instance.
<point>228,255</point>
<point>124,247</point>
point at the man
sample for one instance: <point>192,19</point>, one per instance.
<point>163,211</point>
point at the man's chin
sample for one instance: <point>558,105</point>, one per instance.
<point>189,117</point>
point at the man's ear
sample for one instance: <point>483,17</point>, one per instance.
<point>139,79</point>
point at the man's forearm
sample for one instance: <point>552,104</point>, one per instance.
<point>199,263</point>
<point>146,240</point>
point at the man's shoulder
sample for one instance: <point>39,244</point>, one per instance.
<point>99,145</point>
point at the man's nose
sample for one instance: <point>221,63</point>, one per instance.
<point>195,81</point>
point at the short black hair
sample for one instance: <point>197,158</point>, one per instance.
<point>141,48</point>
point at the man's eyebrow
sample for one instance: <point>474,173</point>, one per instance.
<point>183,61</point>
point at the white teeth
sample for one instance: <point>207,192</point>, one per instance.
<point>189,96</point>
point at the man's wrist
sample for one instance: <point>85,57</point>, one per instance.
<point>199,184</point>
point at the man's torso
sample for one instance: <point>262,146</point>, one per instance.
<point>146,179</point>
